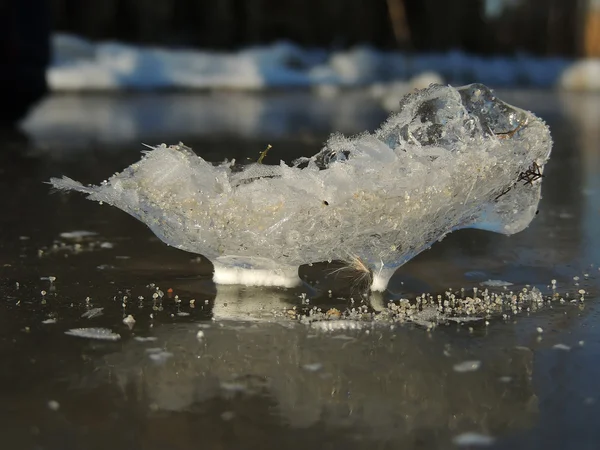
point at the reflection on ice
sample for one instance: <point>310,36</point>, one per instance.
<point>234,302</point>
<point>450,159</point>
<point>391,385</point>
<point>65,123</point>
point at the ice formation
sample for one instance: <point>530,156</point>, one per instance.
<point>451,158</point>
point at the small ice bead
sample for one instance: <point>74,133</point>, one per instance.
<point>53,405</point>
<point>472,440</point>
<point>467,366</point>
<point>129,320</point>
<point>562,347</point>
<point>200,335</point>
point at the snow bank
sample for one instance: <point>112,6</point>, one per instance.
<point>582,76</point>
<point>81,65</point>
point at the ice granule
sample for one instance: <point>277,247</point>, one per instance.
<point>53,405</point>
<point>145,338</point>
<point>337,325</point>
<point>561,347</point>
<point>472,439</point>
<point>467,366</point>
<point>91,313</point>
<point>451,158</point>
<point>314,367</point>
<point>78,234</point>
<point>103,334</point>
<point>496,283</point>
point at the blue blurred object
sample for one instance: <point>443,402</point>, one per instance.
<point>24,56</point>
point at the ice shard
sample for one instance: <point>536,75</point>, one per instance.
<point>451,158</point>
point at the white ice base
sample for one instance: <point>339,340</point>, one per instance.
<point>381,279</point>
<point>256,277</point>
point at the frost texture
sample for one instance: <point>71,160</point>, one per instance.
<point>450,159</point>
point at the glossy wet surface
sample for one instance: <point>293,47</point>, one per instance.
<point>258,375</point>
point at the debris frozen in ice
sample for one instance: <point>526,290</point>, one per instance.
<point>94,333</point>
<point>467,366</point>
<point>450,159</point>
<point>472,439</point>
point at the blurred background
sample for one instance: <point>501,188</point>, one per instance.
<point>540,27</point>
<point>69,45</point>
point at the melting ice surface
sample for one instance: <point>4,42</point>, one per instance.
<point>451,158</point>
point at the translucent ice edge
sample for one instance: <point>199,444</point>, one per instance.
<point>451,158</point>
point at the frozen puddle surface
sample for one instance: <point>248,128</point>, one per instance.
<point>336,367</point>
